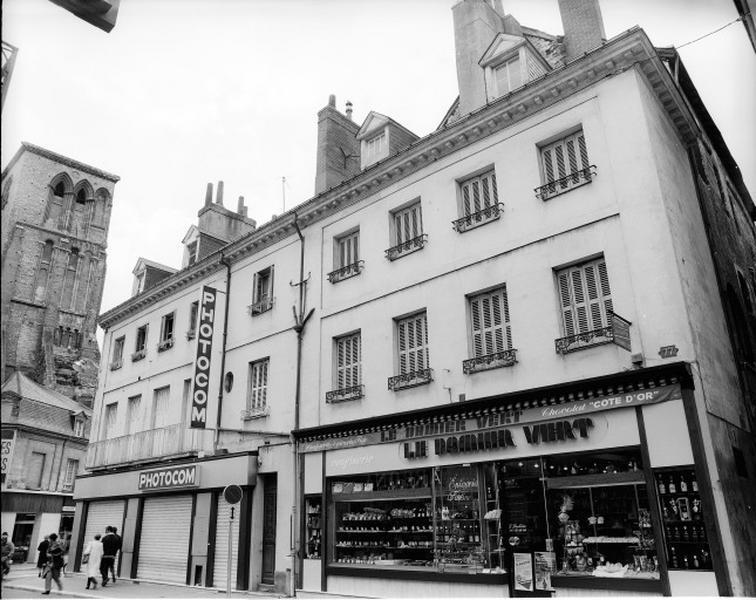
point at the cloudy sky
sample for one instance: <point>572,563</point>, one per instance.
<point>183,92</point>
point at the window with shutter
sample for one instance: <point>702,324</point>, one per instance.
<point>491,333</point>
<point>346,258</point>
<point>479,202</point>
<point>72,468</point>
<point>348,369</point>
<point>586,304</point>
<point>111,412</point>
<point>117,361</point>
<point>257,390</point>
<point>406,231</point>
<point>564,165</point>
<point>412,352</point>
<point>262,292</point>
<point>160,410</point>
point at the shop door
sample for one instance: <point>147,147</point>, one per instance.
<point>165,535</point>
<point>102,514</point>
<point>221,544</point>
<point>270,498</point>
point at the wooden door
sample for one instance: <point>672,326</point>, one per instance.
<point>270,498</point>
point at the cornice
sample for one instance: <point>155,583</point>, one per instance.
<point>623,52</point>
<point>70,162</point>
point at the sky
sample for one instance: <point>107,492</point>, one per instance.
<point>185,92</point>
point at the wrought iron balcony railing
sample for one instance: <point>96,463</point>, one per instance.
<point>264,304</point>
<point>256,412</point>
<point>346,272</point>
<point>566,183</point>
<point>587,339</point>
<point>346,394</point>
<point>116,364</point>
<point>143,446</point>
<point>138,355</point>
<point>407,247</point>
<point>476,219</point>
<point>495,360</point>
<point>165,345</point>
<point>410,380</point>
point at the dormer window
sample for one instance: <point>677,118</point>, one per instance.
<point>375,148</point>
<point>508,76</point>
<point>78,427</point>
<point>192,253</point>
<point>509,63</point>
<point>139,283</point>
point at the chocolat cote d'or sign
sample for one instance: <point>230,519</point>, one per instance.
<point>201,377</point>
<point>541,424</point>
<point>169,477</point>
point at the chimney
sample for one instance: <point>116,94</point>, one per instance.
<point>338,151</point>
<point>240,208</point>
<point>476,22</point>
<point>583,26</point>
<point>219,198</point>
<point>209,194</point>
<point>349,110</point>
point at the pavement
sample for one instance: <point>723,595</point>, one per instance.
<point>23,579</point>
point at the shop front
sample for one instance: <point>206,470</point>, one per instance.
<point>586,490</point>
<point>174,521</point>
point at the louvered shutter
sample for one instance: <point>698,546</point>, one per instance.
<point>258,385</point>
<point>408,224</point>
<point>491,331</point>
<point>164,540</point>
<point>349,249</point>
<point>413,342</point>
<point>220,564</point>
<point>565,157</point>
<point>348,361</point>
<point>161,414</point>
<point>479,193</point>
<point>101,515</point>
<point>585,297</point>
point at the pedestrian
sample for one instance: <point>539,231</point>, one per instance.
<point>109,548</point>
<point>42,558</point>
<point>6,552</point>
<point>54,563</point>
<point>119,543</point>
<point>93,558</point>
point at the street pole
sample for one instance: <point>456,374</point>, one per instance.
<point>230,549</point>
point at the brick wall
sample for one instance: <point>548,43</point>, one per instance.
<point>338,151</point>
<point>583,26</point>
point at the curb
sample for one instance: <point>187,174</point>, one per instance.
<point>29,588</point>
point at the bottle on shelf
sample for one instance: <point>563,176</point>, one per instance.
<point>671,486</point>
<point>694,483</point>
<point>683,484</point>
<point>673,557</point>
<point>661,486</point>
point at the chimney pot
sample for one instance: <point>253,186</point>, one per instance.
<point>240,208</point>
<point>332,100</point>
<point>219,197</point>
<point>349,110</point>
<point>209,194</point>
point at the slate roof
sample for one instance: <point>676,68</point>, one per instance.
<point>20,384</point>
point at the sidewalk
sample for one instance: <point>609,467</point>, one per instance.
<point>24,577</point>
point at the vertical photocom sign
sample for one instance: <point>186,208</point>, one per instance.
<point>202,362</point>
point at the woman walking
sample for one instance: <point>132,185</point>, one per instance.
<point>94,553</point>
<point>54,563</point>
<point>42,560</point>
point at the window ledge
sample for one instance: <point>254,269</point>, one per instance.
<point>260,307</point>
<point>116,364</point>
<point>355,392</point>
<point>346,272</point>
<point>410,380</point>
<point>486,362</point>
<point>165,345</point>
<point>138,355</point>
<point>587,339</point>
<point>566,183</point>
<point>250,414</point>
<point>477,219</point>
<point>408,247</point>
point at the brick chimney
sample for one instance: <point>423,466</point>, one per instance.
<point>338,152</point>
<point>583,26</point>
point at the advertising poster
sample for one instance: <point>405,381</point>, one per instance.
<point>545,565</point>
<point>8,439</point>
<point>523,571</point>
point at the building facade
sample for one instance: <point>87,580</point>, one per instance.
<point>44,444</point>
<point>514,356</point>
<point>56,214</point>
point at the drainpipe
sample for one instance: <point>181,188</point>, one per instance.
<point>226,262</point>
<point>300,320</point>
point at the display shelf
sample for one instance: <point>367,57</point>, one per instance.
<point>313,524</point>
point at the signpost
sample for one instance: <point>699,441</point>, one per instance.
<point>233,495</point>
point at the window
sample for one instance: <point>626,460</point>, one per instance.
<point>140,350</point>
<point>257,389</point>
<point>490,332</point>
<point>192,253</point>
<point>346,257</point>
<point>134,414</point>
<point>406,231</point>
<point>160,407</point>
<point>586,304</point>
<point>117,361</point>
<point>70,278</point>
<point>139,283</point>
<point>375,149</point>
<point>412,351</point>
<point>479,202</point>
<point>564,165</point>
<point>109,421</point>
<point>508,76</point>
<point>35,470</point>
<point>191,333</point>
<point>81,197</point>
<point>43,272</point>
<point>78,427</point>
<point>262,292</point>
<point>348,368</point>
<point>166,332</point>
<point>72,468</point>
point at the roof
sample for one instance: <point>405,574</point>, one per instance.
<point>59,158</point>
<point>143,263</point>
<point>20,384</point>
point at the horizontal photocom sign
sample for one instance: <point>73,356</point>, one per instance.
<point>490,423</point>
<point>168,478</point>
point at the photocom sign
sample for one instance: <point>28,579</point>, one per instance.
<point>202,362</point>
<point>169,477</point>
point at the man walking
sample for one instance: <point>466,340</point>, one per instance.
<point>54,563</point>
<point>109,549</point>
<point>119,543</point>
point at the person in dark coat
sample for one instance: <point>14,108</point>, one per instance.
<point>119,543</point>
<point>54,563</point>
<point>109,548</point>
<point>42,560</point>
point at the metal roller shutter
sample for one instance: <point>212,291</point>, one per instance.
<point>221,544</point>
<point>165,537</point>
<point>102,514</point>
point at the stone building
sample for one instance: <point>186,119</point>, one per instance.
<point>56,214</point>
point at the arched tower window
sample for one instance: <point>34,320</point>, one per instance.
<point>59,190</point>
<point>81,197</point>
<point>56,210</point>
<point>70,278</point>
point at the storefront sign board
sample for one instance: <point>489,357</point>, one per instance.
<point>561,412</point>
<point>201,376</point>
<point>186,476</point>
<point>8,443</point>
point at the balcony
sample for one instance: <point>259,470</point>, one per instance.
<point>587,339</point>
<point>407,247</point>
<point>116,364</point>
<point>355,392</point>
<point>346,272</point>
<point>165,345</point>
<point>138,355</point>
<point>476,219</point>
<point>495,360</point>
<point>410,380</point>
<point>566,183</point>
<point>143,446</point>
<point>262,305</point>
